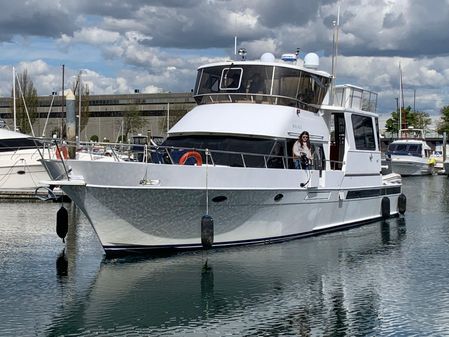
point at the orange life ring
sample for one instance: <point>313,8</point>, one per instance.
<point>191,154</point>
<point>64,151</point>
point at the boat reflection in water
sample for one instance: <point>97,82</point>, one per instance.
<point>337,283</point>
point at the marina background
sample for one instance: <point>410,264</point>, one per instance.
<point>384,278</point>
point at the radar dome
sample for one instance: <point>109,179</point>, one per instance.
<point>312,61</point>
<point>267,57</point>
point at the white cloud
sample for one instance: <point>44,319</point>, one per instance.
<point>130,44</point>
<point>91,35</point>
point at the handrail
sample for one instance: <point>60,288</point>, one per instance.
<point>159,154</point>
<point>250,97</point>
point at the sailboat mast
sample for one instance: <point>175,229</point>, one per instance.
<point>400,100</point>
<point>404,115</point>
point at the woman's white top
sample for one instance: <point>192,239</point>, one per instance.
<point>299,149</point>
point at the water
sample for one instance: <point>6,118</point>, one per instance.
<point>382,279</point>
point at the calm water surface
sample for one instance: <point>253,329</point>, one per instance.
<point>383,279</point>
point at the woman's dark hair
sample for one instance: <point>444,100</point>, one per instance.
<point>305,133</point>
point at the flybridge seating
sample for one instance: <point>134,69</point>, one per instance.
<point>259,83</point>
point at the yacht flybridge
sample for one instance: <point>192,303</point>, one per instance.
<point>225,175</point>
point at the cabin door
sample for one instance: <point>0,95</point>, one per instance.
<point>337,141</point>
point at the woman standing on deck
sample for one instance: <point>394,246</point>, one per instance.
<point>302,151</point>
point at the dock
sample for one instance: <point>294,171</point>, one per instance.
<point>31,195</point>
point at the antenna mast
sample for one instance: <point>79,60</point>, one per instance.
<point>336,25</point>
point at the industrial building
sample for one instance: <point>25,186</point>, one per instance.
<point>106,114</point>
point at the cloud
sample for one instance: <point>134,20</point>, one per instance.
<point>91,35</point>
<point>157,45</point>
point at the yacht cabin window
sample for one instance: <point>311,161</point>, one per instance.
<point>231,79</point>
<point>230,151</point>
<point>14,144</point>
<point>405,149</point>
<point>261,84</point>
<point>363,129</point>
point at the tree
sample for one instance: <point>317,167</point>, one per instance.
<point>415,119</point>
<point>420,120</point>
<point>443,123</point>
<point>392,123</point>
<point>176,113</point>
<point>26,102</point>
<point>132,120</point>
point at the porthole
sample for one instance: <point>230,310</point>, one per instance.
<point>21,172</point>
<point>220,198</point>
<point>278,197</point>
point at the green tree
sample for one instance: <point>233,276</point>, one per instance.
<point>415,119</point>
<point>443,123</point>
<point>26,102</point>
<point>392,123</point>
<point>420,120</point>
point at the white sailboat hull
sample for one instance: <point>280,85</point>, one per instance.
<point>21,170</point>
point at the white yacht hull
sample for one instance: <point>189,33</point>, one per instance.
<point>410,166</point>
<point>246,207</point>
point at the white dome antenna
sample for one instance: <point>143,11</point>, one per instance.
<point>312,61</point>
<point>267,57</point>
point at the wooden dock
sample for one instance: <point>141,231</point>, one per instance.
<point>31,195</point>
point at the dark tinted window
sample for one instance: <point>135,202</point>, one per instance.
<point>17,144</point>
<point>253,149</point>
<point>363,132</point>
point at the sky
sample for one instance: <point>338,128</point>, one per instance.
<point>156,45</point>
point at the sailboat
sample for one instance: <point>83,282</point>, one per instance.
<point>20,166</point>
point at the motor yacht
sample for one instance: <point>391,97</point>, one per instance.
<point>410,155</point>
<point>225,176</point>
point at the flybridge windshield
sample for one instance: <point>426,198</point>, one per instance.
<point>405,149</point>
<point>261,84</point>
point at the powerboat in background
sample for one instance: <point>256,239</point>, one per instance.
<point>224,176</point>
<point>20,166</point>
<point>410,155</point>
